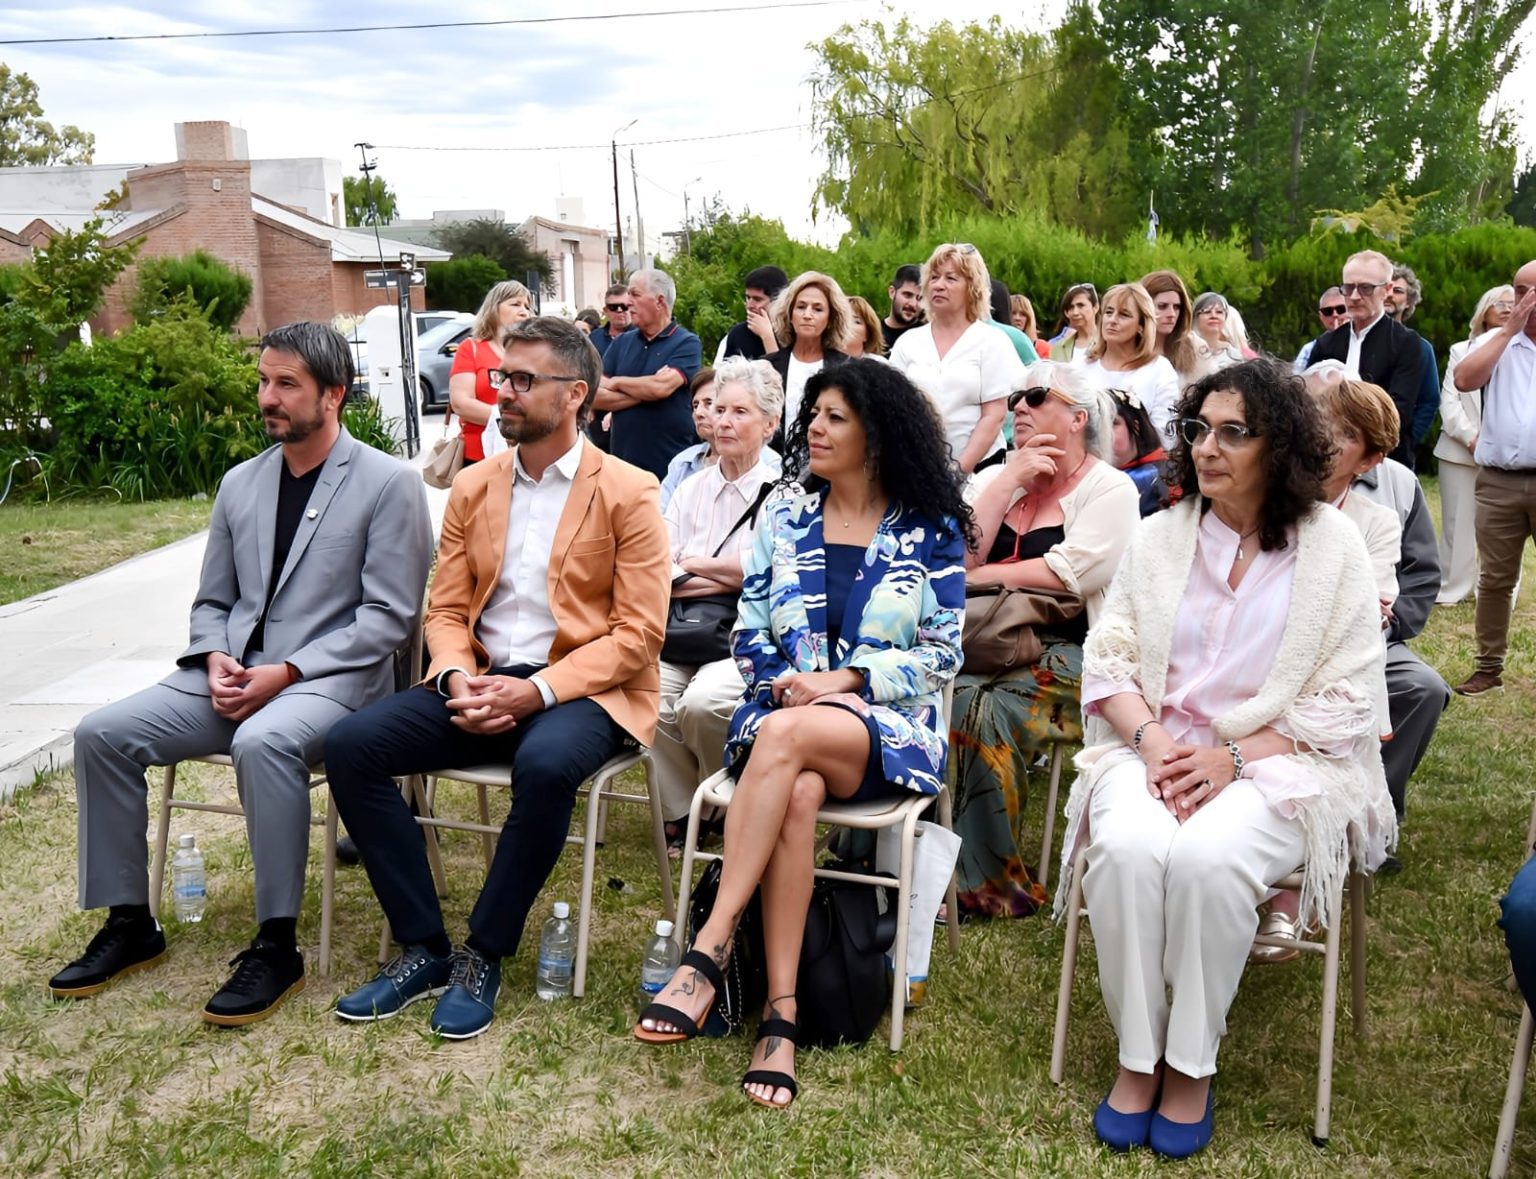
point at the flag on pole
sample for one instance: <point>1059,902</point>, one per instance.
<point>1152,221</point>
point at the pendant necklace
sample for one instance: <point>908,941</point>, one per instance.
<point>1242,556</point>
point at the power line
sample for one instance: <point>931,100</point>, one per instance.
<point>447,24</point>
<point>593,146</point>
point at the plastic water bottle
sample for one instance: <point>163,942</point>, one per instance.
<point>661,958</point>
<point>189,882</point>
<point>557,951</point>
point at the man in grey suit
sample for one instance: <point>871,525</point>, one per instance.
<point>317,556</point>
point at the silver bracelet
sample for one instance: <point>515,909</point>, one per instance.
<point>1237,760</point>
<point>1140,732</point>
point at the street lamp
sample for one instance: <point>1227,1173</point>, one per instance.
<point>618,224</point>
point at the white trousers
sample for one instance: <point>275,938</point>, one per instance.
<point>1458,532</point>
<point>696,708</point>
<point>1174,909</point>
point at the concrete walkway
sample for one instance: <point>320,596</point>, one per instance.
<point>72,649</point>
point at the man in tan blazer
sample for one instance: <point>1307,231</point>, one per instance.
<point>544,625</point>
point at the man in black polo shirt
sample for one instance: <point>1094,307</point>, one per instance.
<point>753,338</point>
<point>645,378</point>
<point>906,292</point>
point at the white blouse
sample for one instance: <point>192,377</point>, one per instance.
<point>1155,384</point>
<point>981,367</point>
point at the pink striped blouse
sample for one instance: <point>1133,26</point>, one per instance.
<point>1224,644</point>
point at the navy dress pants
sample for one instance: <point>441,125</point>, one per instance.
<point>551,753</point>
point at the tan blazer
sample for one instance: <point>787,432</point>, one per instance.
<point>609,583</point>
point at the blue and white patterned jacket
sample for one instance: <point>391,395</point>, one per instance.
<point>901,628</point>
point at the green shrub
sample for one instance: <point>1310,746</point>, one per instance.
<point>460,284</point>
<point>220,290</point>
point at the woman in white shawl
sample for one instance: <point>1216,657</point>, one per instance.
<point>1229,697</point>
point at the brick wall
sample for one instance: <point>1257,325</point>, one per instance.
<point>296,271</point>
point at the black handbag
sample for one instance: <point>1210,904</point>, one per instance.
<point>746,976</point>
<point>842,988</point>
<point>699,629</point>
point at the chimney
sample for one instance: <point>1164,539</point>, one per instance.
<point>213,140</point>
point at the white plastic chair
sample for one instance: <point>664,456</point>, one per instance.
<point>1357,888</point>
<point>904,813</point>
<point>600,790</point>
<point>1048,839</point>
<point>169,802</point>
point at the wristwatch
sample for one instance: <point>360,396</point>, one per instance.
<point>1237,760</point>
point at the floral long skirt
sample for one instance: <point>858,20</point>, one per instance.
<point>1002,725</point>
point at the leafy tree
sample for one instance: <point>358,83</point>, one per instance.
<point>218,289</point>
<point>498,241</point>
<point>460,284</point>
<point>923,125</point>
<point>362,195</point>
<point>1522,206</point>
<point>29,140</point>
<point>1250,115</point>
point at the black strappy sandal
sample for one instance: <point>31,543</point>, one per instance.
<point>786,1030</point>
<point>702,964</point>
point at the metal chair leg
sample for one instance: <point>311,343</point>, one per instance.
<point>1514,1089</point>
<point>487,841</point>
<point>659,841</point>
<point>1049,838</point>
<point>588,869</point>
<point>903,931</point>
<point>162,840</point>
<point>951,890</point>
<point>1068,967</point>
<point>1359,893</point>
<point>685,878</point>
<point>1329,1023</point>
<point>327,889</point>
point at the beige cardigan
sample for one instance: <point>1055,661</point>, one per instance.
<point>1099,516</point>
<point>1332,653</point>
<point>1461,414</point>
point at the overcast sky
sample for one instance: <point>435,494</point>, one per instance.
<point>529,86</point>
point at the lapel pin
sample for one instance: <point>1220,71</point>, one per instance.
<point>311,513</point>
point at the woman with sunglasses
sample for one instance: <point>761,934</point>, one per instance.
<point>1461,416</point>
<point>1230,689</point>
<point>1127,354</point>
<point>1056,517</point>
<point>966,367</point>
<point>1077,325</point>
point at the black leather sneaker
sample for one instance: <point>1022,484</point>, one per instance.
<point>265,975</point>
<point>121,946</point>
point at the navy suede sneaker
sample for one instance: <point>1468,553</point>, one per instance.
<point>468,1005</point>
<point>414,973</point>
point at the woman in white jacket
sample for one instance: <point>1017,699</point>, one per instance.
<point>1461,416</point>
<point>1231,733</point>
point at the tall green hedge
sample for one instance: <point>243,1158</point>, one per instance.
<point>1277,296</point>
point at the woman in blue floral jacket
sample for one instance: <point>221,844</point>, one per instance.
<point>849,630</point>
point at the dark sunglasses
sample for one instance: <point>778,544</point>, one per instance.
<point>616,306</point>
<point>1034,398</point>
<point>1339,310</point>
<point>1364,288</point>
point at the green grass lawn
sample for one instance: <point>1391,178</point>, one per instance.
<point>45,545</point>
<point>131,1083</point>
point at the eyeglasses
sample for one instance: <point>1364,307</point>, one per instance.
<point>616,306</point>
<point>1034,398</point>
<point>1503,305</point>
<point>1339,310</point>
<point>1362,288</point>
<point>521,382</point>
<point>1229,435</point>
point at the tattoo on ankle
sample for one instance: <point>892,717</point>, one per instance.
<point>719,953</point>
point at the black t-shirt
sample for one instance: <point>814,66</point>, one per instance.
<point>743,341</point>
<point>293,492</point>
<point>892,334</point>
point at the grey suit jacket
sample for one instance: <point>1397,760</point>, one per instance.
<point>350,592</point>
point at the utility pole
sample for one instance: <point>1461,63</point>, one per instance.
<point>618,216</point>
<point>687,221</point>
<point>367,170</point>
<point>634,177</point>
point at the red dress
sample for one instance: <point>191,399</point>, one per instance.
<point>478,357</point>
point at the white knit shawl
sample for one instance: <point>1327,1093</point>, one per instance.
<point>1331,655</point>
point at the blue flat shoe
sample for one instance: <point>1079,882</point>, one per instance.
<point>1179,1140</point>
<point>1122,1131</point>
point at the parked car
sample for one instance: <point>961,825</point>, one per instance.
<point>434,360</point>
<point>424,323</point>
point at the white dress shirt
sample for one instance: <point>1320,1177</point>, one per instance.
<point>1508,435</point>
<point>1352,361</point>
<point>979,368</point>
<point>517,627</point>
<point>706,504</point>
